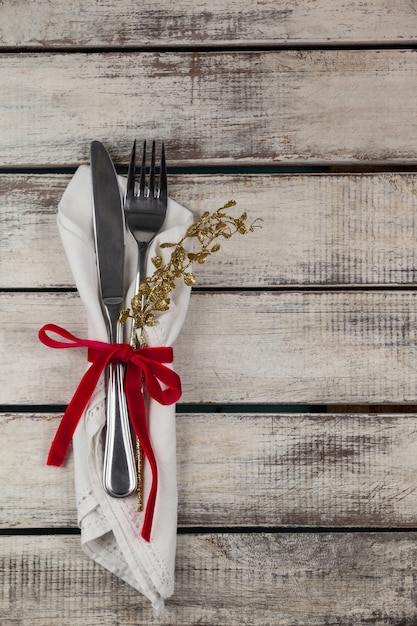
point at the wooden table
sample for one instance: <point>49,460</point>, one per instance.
<point>297,432</point>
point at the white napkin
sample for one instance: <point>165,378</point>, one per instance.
<point>111,527</point>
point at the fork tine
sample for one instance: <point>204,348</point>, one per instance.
<point>142,171</point>
<point>130,186</point>
<point>163,183</point>
<point>152,173</point>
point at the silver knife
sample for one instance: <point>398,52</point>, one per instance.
<point>119,471</point>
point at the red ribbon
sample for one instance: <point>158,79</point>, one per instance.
<point>147,362</point>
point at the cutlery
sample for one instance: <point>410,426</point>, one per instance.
<point>119,470</point>
<point>145,213</point>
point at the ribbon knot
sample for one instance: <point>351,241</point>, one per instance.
<point>141,363</point>
<point>124,353</point>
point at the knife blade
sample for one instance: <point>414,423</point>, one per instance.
<point>119,471</point>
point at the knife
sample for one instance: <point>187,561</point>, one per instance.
<point>119,470</point>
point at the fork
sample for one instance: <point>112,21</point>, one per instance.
<point>145,213</point>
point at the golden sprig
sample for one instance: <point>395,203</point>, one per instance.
<point>154,291</point>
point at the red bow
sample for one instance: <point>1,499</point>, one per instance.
<point>141,361</point>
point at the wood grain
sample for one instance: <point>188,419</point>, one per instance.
<point>317,230</point>
<point>238,83</point>
<point>349,579</point>
<point>271,22</point>
<point>241,107</point>
<point>297,347</point>
<point>241,470</point>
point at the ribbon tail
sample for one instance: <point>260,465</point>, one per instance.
<point>137,412</point>
<point>147,361</point>
<point>155,373</point>
<point>74,411</point>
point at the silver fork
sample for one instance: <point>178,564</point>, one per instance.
<point>145,213</point>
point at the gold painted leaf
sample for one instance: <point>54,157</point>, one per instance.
<point>190,279</point>
<point>157,261</point>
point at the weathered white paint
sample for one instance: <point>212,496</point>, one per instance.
<point>348,579</point>
<point>307,106</point>
<point>269,470</point>
<point>251,347</point>
<point>317,230</point>
<point>233,107</point>
<point>187,23</point>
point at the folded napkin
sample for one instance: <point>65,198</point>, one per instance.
<point>111,527</point>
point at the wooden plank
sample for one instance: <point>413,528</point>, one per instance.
<point>245,107</point>
<point>72,24</point>
<point>241,470</point>
<point>307,347</point>
<point>349,579</point>
<point>317,230</point>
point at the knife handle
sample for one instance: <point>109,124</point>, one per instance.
<point>119,472</point>
<point>119,469</point>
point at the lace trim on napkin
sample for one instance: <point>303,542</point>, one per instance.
<point>143,568</point>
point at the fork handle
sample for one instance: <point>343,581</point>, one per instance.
<point>142,248</point>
